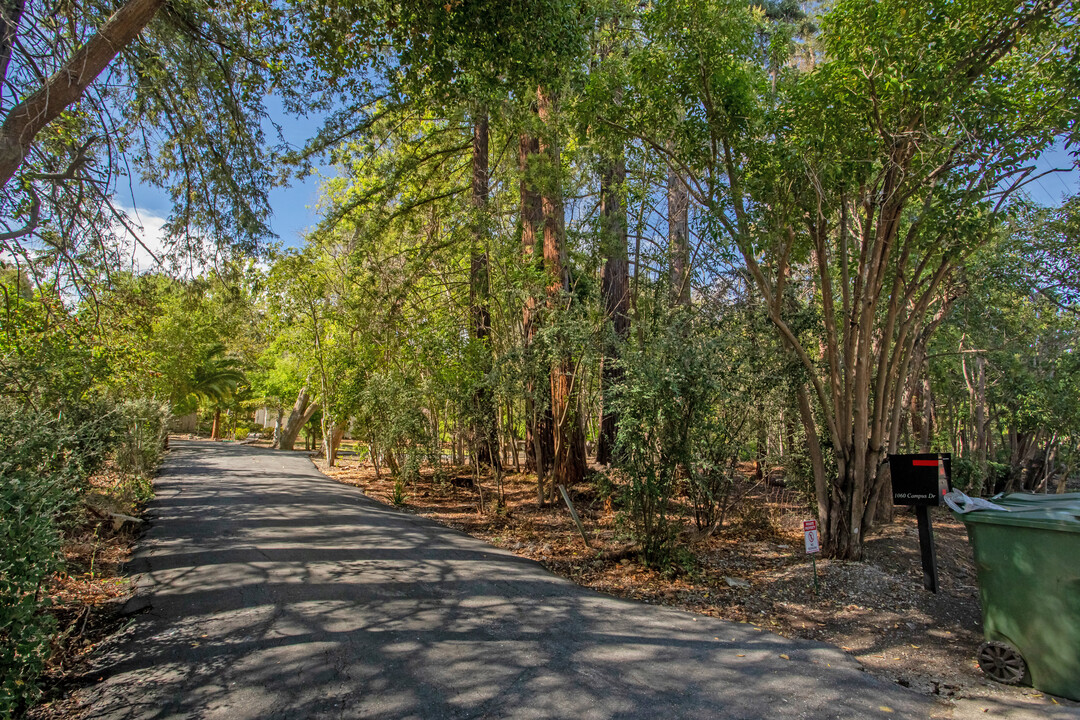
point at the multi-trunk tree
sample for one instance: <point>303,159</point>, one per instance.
<point>874,174</point>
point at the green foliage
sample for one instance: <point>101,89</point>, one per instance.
<point>143,427</point>
<point>197,75</point>
<point>1017,317</point>
<point>965,474</point>
<point>663,398</point>
<point>397,495</point>
<point>390,413</point>
<point>184,342</point>
<point>57,427</point>
<point>47,358</point>
<point>43,461</point>
<point>216,378</point>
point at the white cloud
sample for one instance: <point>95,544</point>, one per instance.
<point>146,246</point>
<point>142,240</point>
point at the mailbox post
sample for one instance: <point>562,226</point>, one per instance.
<point>922,480</point>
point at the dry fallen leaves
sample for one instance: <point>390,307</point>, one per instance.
<point>876,604</point>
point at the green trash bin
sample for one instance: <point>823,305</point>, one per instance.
<point>1028,564</point>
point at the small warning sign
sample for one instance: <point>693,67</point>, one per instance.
<point>810,535</point>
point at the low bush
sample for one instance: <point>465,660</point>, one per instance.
<point>660,401</point>
<point>45,461</point>
<point>142,428</point>
<point>398,495</point>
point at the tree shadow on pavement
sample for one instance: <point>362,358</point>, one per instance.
<point>276,593</point>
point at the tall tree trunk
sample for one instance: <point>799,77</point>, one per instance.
<point>485,428</point>
<point>511,431</point>
<point>539,439</point>
<point>33,114</point>
<point>789,438</point>
<point>530,218</point>
<point>302,411</point>
<point>215,429</point>
<point>569,466</point>
<point>615,288</point>
<point>981,426</point>
<point>678,206</point>
<point>332,441</point>
<point>929,416</point>
<point>915,413</point>
<point>762,449</point>
<point>277,427</point>
<point>817,460</point>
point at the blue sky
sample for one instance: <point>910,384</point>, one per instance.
<point>1052,189</point>
<point>293,206</point>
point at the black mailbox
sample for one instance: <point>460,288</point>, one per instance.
<point>916,479</point>
<point>921,480</point>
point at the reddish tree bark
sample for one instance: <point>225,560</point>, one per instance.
<point>32,115</point>
<point>539,440</point>
<point>569,465</point>
<point>615,288</point>
<point>485,430</point>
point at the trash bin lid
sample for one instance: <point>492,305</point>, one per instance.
<point>1050,512</point>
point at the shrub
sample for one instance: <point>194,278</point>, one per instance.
<point>682,418</point>
<point>44,461</point>
<point>143,426</point>
<point>965,474</point>
<point>397,495</point>
<point>659,402</point>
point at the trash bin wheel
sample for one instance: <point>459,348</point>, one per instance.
<point>1002,662</point>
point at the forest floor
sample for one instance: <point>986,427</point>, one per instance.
<point>753,570</point>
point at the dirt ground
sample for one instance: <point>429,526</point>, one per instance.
<point>756,570</point>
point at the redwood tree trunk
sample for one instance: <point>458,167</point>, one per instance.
<point>539,440</point>
<point>485,427</point>
<point>569,466</point>
<point>615,287</point>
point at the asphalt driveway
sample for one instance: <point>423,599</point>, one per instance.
<point>271,591</point>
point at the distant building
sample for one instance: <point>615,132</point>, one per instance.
<point>184,423</point>
<point>266,416</point>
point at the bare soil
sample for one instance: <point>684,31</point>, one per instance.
<point>753,570</point>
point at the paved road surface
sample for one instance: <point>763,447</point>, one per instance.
<point>275,592</point>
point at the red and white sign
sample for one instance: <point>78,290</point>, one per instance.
<point>810,535</point>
